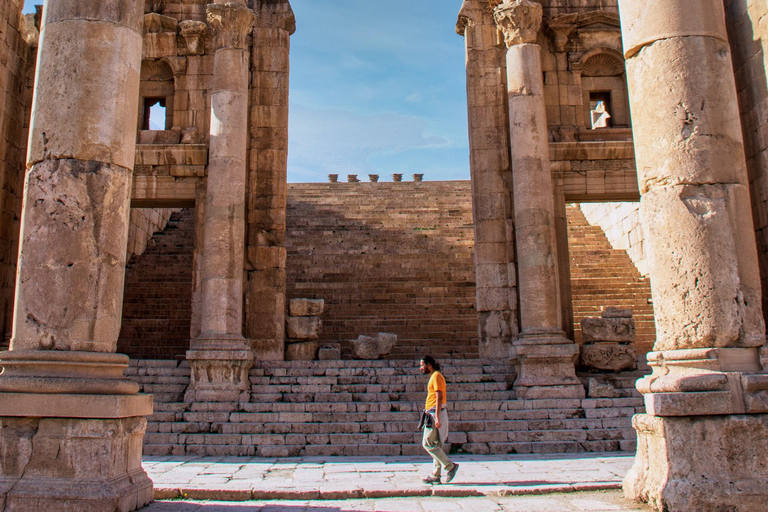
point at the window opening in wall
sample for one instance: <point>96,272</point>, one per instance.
<point>600,109</point>
<point>155,114</point>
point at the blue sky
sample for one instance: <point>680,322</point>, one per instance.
<point>377,87</point>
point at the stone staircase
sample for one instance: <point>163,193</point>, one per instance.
<point>370,408</point>
<point>157,304</point>
<point>604,276</point>
<point>387,257</point>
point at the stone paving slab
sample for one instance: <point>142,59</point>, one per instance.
<point>313,478</point>
<point>605,501</point>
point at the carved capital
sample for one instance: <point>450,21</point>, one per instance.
<point>230,23</point>
<point>193,33</point>
<point>519,21</point>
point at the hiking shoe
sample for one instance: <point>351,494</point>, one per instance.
<point>431,479</point>
<point>452,473</point>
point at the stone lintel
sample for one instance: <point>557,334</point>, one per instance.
<point>41,405</point>
<point>171,154</point>
<point>592,150</point>
<point>519,20</point>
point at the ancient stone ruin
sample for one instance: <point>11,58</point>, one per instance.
<point>491,275</point>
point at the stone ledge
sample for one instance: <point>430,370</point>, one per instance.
<point>74,406</point>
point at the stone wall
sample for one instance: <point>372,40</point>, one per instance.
<point>748,33</point>
<point>144,223</point>
<point>17,59</point>
<point>621,224</point>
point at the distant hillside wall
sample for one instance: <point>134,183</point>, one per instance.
<point>621,224</point>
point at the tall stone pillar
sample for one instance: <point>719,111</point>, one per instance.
<point>496,298</point>
<point>220,356</point>
<point>71,424</point>
<point>702,444</point>
<point>268,180</point>
<point>545,357</point>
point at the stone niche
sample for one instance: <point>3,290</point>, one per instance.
<point>608,341</point>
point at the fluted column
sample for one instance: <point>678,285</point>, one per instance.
<point>701,445</point>
<point>489,164</point>
<point>70,422</point>
<point>544,356</point>
<point>220,356</point>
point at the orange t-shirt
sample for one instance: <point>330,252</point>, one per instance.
<point>436,383</point>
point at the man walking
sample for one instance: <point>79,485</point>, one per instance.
<point>436,430</point>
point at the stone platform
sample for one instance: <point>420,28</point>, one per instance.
<point>312,478</point>
<point>370,408</point>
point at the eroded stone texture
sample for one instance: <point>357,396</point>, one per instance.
<point>370,347</point>
<point>700,463</point>
<point>306,307</point>
<point>267,168</point>
<point>303,327</point>
<point>544,356</point>
<point>608,329</point>
<point>73,465</point>
<point>301,351</point>
<point>608,356</point>
<point>496,293</point>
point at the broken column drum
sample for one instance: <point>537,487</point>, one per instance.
<point>71,424</point>
<point>701,445</point>
<point>220,357</point>
<point>544,357</point>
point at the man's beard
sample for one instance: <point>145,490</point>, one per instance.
<point>425,371</point>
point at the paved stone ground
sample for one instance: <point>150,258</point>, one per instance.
<point>604,501</point>
<point>314,478</point>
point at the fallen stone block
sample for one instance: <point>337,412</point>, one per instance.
<point>608,356</point>
<point>301,351</point>
<point>329,352</point>
<point>613,312</point>
<point>303,327</point>
<point>608,329</point>
<point>369,347</point>
<point>306,307</point>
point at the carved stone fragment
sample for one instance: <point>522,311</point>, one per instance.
<point>303,327</point>
<point>306,307</point>
<point>369,347</point>
<point>301,351</point>
<point>608,356</point>
<point>608,329</point>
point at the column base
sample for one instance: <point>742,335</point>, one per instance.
<point>50,462</point>
<point>700,463</point>
<point>546,370</point>
<point>219,370</point>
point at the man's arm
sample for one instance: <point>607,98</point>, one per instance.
<point>438,407</point>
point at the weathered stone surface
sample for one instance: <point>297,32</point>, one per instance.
<point>700,463</point>
<point>73,465</point>
<point>301,351</point>
<point>306,307</point>
<point>611,312</point>
<point>369,347</point>
<point>608,356</point>
<point>303,327</point>
<point>608,329</point>
<point>596,389</point>
<point>546,370</point>
<point>329,352</point>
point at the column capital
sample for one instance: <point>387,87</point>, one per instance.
<point>230,24</point>
<point>519,21</point>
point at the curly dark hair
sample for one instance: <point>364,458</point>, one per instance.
<point>431,361</point>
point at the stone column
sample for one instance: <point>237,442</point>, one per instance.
<point>71,425</point>
<point>701,445</point>
<point>545,357</point>
<point>220,356</point>
<point>489,159</point>
<point>268,181</point>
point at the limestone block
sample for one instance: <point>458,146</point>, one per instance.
<point>303,327</point>
<point>608,329</point>
<point>87,127</point>
<point>306,307</point>
<point>127,13</point>
<point>690,132</point>
<point>369,347</point>
<point>608,356</point>
<point>158,45</point>
<point>611,312</point>
<point>192,136</point>
<point>268,349</point>
<point>643,23</point>
<point>329,352</point>
<point>73,465</point>
<point>596,389</point>
<point>704,271</point>
<point>72,262</point>
<point>700,463</point>
<point>301,351</point>
<point>547,371</point>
